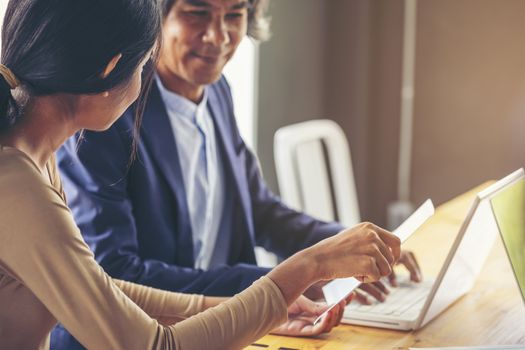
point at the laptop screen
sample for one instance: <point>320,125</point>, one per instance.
<point>509,210</point>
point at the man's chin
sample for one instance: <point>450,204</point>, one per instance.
<point>206,74</point>
<point>207,77</point>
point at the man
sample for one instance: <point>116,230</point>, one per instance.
<point>186,214</point>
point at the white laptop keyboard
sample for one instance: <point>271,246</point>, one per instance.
<point>405,301</point>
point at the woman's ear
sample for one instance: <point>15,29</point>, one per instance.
<point>111,65</point>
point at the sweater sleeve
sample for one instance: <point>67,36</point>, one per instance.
<point>43,249</point>
<point>166,307</point>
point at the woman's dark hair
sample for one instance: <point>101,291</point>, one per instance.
<point>258,23</point>
<point>64,46</point>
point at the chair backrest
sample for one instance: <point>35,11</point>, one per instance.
<point>314,171</point>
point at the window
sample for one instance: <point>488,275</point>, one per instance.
<point>241,73</point>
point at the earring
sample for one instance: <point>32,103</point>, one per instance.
<point>105,93</point>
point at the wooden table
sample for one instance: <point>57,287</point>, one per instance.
<point>491,313</point>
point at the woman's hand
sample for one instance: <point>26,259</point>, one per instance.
<point>365,251</point>
<point>303,312</point>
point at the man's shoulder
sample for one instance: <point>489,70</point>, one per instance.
<point>222,89</point>
<point>222,83</point>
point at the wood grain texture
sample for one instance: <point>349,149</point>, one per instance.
<point>491,313</point>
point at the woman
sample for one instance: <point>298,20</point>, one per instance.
<point>73,65</point>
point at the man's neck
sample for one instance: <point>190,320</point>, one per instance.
<point>176,84</point>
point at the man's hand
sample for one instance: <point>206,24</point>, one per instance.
<point>408,259</point>
<point>379,291</point>
<point>303,312</point>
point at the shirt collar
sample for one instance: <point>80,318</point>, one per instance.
<point>180,105</point>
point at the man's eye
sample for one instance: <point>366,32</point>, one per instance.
<point>234,15</point>
<point>198,13</point>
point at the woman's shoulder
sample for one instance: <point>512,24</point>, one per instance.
<point>20,176</point>
<point>26,193</point>
<point>15,165</point>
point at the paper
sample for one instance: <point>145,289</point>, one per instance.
<point>339,289</point>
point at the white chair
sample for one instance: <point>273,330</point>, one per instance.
<point>314,171</point>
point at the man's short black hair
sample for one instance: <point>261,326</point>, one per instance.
<point>258,23</point>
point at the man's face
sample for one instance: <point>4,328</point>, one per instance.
<point>200,37</point>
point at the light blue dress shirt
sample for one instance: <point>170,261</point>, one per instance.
<point>202,171</point>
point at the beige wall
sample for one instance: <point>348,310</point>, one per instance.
<point>292,69</point>
<point>470,94</point>
<point>344,63</point>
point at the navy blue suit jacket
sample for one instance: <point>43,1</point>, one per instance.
<point>135,217</point>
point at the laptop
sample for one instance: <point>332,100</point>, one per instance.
<point>412,305</point>
<point>508,207</point>
<point>509,210</point>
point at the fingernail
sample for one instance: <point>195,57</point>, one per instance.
<point>393,283</point>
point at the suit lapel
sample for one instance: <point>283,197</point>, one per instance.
<point>157,134</point>
<point>234,168</point>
